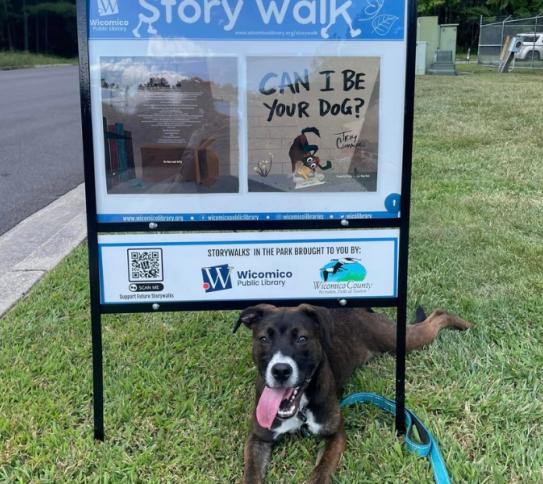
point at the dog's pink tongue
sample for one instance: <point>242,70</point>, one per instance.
<point>269,404</point>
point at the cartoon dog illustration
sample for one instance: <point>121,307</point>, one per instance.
<point>303,156</point>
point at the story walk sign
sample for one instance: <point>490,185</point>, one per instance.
<point>246,151</point>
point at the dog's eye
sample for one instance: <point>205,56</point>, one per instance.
<point>302,340</point>
<point>264,339</point>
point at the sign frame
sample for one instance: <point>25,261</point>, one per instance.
<point>95,228</point>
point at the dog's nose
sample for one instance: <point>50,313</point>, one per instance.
<point>281,372</point>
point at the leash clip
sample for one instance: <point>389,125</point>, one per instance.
<point>301,414</point>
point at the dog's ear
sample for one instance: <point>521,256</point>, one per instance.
<point>323,320</point>
<point>252,315</point>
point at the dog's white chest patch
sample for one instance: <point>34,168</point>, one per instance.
<point>289,425</point>
<point>314,427</point>
<point>294,423</point>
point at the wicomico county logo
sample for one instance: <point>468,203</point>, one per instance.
<point>343,270</point>
<point>217,278</point>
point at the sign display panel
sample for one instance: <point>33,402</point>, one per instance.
<point>206,110</point>
<point>248,266</point>
<point>201,112</point>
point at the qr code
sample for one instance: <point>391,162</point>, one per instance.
<point>145,265</point>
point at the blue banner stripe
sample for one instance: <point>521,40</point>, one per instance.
<point>234,217</point>
<point>248,20</point>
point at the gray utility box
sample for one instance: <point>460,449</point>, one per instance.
<point>439,52</point>
<point>444,64</point>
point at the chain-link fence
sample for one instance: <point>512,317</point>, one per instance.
<point>494,39</point>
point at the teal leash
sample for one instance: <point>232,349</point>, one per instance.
<point>427,447</point>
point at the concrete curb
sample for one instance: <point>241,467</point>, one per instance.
<point>37,244</point>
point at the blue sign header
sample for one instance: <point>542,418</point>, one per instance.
<point>307,20</point>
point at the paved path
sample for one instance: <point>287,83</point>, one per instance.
<point>40,140</point>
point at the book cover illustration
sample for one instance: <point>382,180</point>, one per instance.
<point>313,124</point>
<point>170,124</point>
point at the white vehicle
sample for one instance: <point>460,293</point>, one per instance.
<point>532,47</point>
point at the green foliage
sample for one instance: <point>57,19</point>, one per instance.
<point>465,8</point>
<point>467,13</point>
<point>64,9</point>
<point>519,8</point>
<point>42,26</point>
<point>18,60</point>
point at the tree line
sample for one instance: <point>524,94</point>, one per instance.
<point>44,27</point>
<point>50,26</point>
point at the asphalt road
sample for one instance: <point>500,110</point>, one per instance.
<point>40,140</point>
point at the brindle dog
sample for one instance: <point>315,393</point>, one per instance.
<point>304,356</point>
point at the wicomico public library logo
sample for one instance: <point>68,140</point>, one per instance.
<point>107,7</point>
<point>217,278</point>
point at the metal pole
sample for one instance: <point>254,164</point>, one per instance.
<point>401,318</point>
<point>480,35</point>
<point>503,32</point>
<point>97,375</point>
<point>92,228</point>
<point>405,212</point>
<point>535,37</point>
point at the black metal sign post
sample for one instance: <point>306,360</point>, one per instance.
<point>401,312</point>
<point>92,231</point>
<point>96,227</point>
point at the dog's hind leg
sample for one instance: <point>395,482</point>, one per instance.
<point>424,332</point>
<point>257,457</point>
<point>380,333</point>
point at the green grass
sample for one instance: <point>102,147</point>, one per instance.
<point>20,60</point>
<point>179,386</point>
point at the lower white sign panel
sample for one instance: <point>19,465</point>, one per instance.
<point>248,266</point>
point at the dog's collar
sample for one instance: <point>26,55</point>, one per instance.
<point>302,411</point>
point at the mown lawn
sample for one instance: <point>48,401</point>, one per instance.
<point>20,60</point>
<point>179,386</point>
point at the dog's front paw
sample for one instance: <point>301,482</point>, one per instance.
<point>319,478</point>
